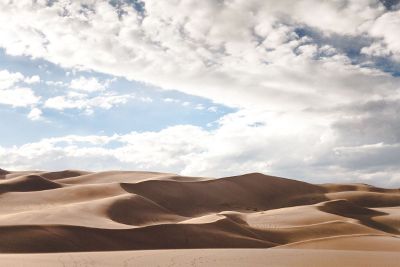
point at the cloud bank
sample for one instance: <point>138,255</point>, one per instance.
<point>318,96</point>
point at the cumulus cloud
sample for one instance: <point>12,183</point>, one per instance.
<point>91,84</point>
<point>35,114</point>
<point>243,142</point>
<point>14,95</point>
<point>8,79</point>
<point>175,45</point>
<point>312,95</point>
<point>18,97</point>
<point>384,29</point>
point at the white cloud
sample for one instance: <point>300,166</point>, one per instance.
<point>61,103</point>
<point>199,107</point>
<point>91,84</point>
<point>57,83</point>
<point>249,54</point>
<point>8,79</point>
<point>252,54</point>
<point>376,49</point>
<point>35,114</point>
<point>33,79</point>
<point>244,142</point>
<point>13,95</point>
<point>386,28</point>
<point>18,97</point>
<point>171,100</point>
<point>88,104</point>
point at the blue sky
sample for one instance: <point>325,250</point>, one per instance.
<point>206,88</point>
<point>159,109</point>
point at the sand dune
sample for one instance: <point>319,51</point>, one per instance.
<point>27,183</point>
<point>111,177</point>
<point>63,174</point>
<point>3,172</point>
<point>75,211</point>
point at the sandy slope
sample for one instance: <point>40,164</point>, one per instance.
<point>76,211</point>
<point>207,257</point>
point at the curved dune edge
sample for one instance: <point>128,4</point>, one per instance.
<point>72,211</point>
<point>350,242</point>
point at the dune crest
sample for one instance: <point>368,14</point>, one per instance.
<point>77,211</point>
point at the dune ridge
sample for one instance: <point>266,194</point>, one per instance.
<point>3,172</point>
<point>78,211</point>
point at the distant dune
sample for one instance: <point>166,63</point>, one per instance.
<point>80,215</point>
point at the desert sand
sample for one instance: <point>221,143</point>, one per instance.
<point>77,218</point>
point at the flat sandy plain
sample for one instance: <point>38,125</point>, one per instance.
<point>76,218</point>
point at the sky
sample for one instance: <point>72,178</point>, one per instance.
<point>306,89</point>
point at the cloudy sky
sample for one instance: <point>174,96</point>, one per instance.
<point>304,89</point>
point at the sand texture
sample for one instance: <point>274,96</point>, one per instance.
<point>155,219</point>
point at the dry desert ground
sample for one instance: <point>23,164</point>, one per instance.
<point>115,218</point>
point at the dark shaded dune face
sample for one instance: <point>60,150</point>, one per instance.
<point>332,188</point>
<point>16,174</point>
<point>346,208</point>
<point>169,236</point>
<point>138,211</point>
<point>27,183</point>
<point>62,174</point>
<point>364,215</point>
<point>368,199</point>
<point>3,172</point>
<point>247,193</point>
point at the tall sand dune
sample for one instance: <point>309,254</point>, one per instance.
<point>75,211</point>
